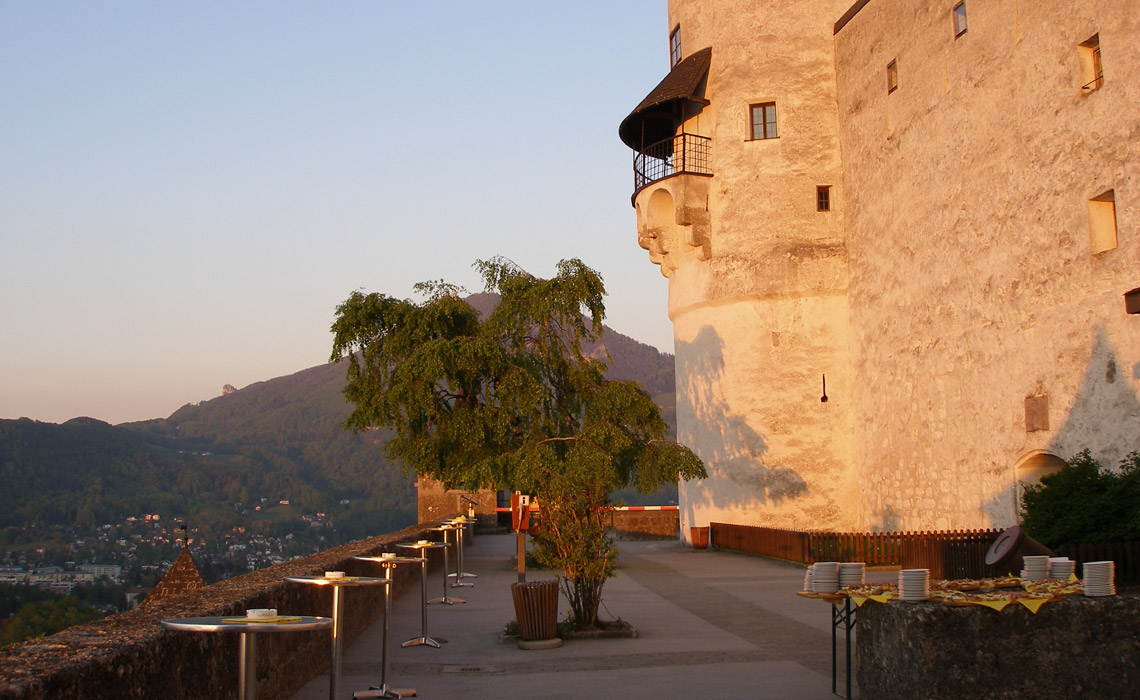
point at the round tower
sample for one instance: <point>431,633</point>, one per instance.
<point>739,199</point>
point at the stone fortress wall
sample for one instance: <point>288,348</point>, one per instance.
<point>969,334</point>
<point>978,303</point>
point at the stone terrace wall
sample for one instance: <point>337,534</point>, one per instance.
<point>1078,648</point>
<point>645,524</point>
<point>131,656</point>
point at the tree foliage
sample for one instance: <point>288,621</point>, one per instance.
<point>512,401</point>
<point>46,617</point>
<point>1085,503</point>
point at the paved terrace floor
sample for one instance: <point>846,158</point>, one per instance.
<point>710,625</point>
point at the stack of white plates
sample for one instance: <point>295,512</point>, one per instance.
<point>852,573</point>
<point>1061,568</point>
<point>914,584</point>
<point>1100,578</point>
<point>807,578</point>
<point>1036,568</point>
<point>825,577</point>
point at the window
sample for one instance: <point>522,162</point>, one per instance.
<point>675,46</point>
<point>1092,76</point>
<point>763,121</point>
<point>892,76</point>
<point>823,198</point>
<point>1102,222</point>
<point>959,19</point>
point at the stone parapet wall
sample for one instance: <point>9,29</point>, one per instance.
<point>1078,648</point>
<point>131,656</point>
<point>645,524</point>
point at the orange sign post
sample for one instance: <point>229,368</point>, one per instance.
<point>520,522</point>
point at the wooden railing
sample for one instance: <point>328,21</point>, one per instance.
<point>1125,554</point>
<point>949,554</point>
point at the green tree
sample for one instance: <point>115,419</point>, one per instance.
<point>1085,503</point>
<point>512,401</point>
<point>46,617</point>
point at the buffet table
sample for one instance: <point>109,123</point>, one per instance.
<point>992,640</point>
<point>1078,647</point>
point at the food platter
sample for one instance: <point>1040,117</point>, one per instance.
<point>990,592</point>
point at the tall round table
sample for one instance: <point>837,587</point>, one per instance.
<point>446,600</point>
<point>388,563</point>
<point>460,524</point>
<point>421,548</point>
<point>337,614</point>
<point>247,650</point>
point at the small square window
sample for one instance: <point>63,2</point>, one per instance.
<point>959,19</point>
<point>892,76</point>
<point>1092,75</point>
<point>675,46</point>
<point>1102,222</point>
<point>823,198</point>
<point>763,120</point>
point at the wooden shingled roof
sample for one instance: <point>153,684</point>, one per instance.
<point>656,117</point>
<point>183,576</point>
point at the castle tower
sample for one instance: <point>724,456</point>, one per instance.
<point>932,204</point>
<point>737,180</point>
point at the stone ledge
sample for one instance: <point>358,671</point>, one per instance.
<point>1079,647</point>
<point>130,655</point>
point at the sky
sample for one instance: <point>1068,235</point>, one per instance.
<point>188,190</point>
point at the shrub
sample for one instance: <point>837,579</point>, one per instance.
<point>1085,503</point>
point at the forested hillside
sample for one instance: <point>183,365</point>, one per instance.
<point>212,463</point>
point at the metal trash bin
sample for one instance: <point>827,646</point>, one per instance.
<point>536,608</point>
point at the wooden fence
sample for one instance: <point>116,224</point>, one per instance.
<point>1125,554</point>
<point>949,554</point>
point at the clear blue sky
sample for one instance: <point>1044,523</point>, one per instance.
<point>187,190</point>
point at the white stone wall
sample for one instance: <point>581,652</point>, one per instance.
<point>954,278</point>
<point>972,284</point>
<point>758,278</point>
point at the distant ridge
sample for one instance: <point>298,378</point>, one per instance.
<point>279,439</point>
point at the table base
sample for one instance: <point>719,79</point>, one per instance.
<point>384,691</point>
<point>424,641</point>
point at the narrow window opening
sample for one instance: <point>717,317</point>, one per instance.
<point>675,46</point>
<point>1102,222</point>
<point>959,19</point>
<point>823,198</point>
<point>892,76</point>
<point>1092,75</point>
<point>763,117</point>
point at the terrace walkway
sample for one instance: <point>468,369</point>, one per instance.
<point>710,624</point>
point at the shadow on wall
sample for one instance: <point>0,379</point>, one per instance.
<point>1104,418</point>
<point>890,522</point>
<point>732,451</point>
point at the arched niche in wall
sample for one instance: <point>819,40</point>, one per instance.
<point>1031,467</point>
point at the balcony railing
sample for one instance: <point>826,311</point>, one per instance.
<point>682,154</point>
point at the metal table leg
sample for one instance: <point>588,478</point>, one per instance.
<point>385,691</point>
<point>247,667</point>
<point>423,639</point>
<point>337,644</point>
<point>460,573</point>
<point>842,617</point>
<point>445,599</point>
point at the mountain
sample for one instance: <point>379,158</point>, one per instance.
<point>211,462</point>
